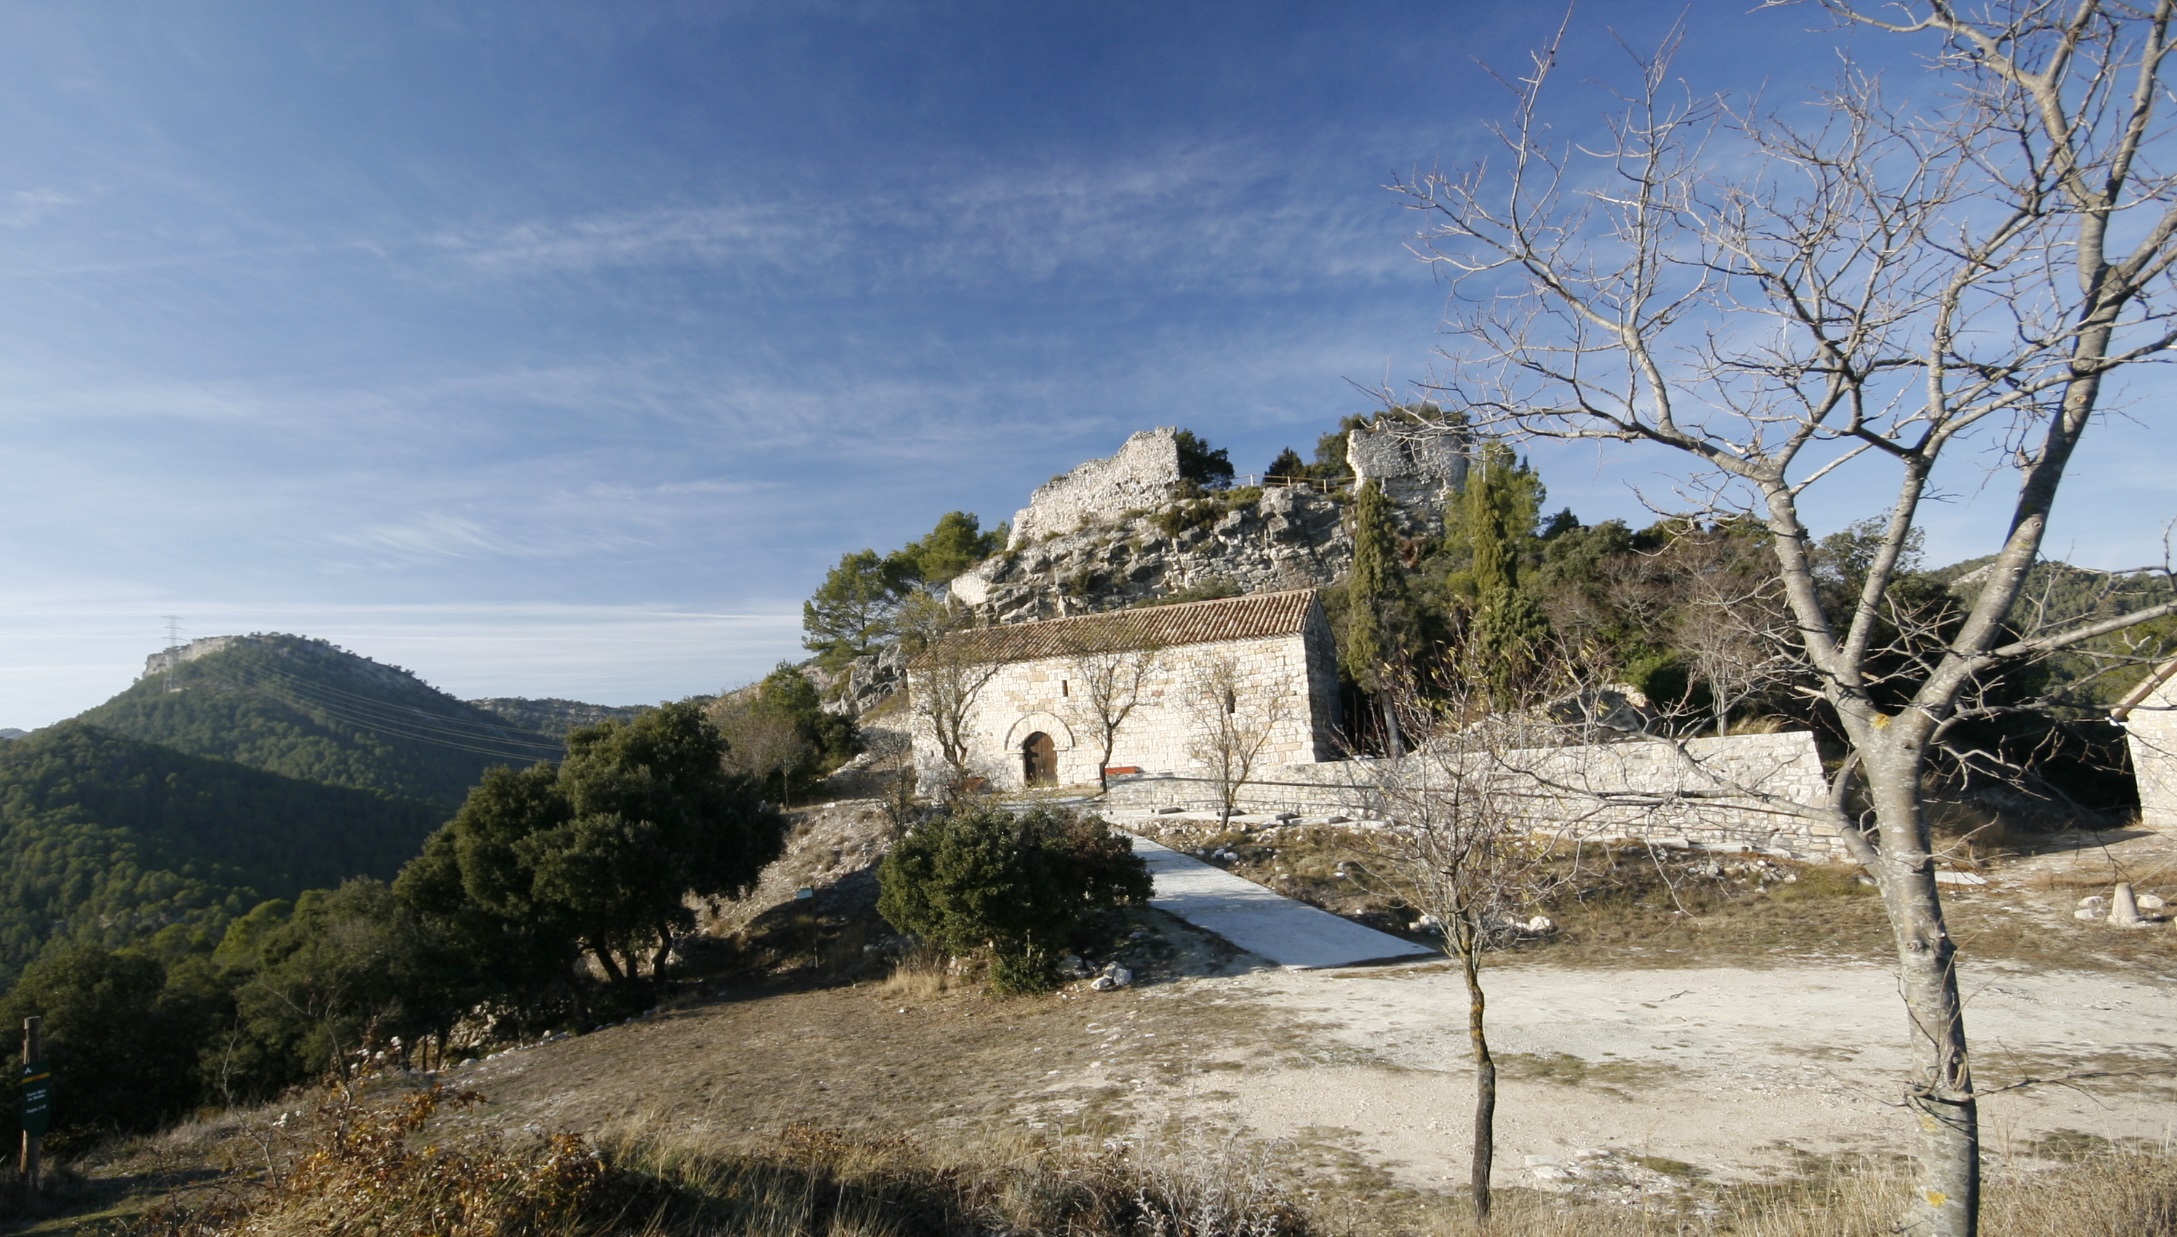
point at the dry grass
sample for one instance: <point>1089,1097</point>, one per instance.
<point>922,974</point>
<point>375,1169</point>
<point>2110,1194</point>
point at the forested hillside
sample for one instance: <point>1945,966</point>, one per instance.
<point>555,717</point>
<point>108,838</point>
<point>2098,673</point>
<point>307,709</point>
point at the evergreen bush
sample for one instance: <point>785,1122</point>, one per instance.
<point>1014,886</point>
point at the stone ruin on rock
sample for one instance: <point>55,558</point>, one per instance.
<point>1143,474</point>
<point>1117,532</point>
<point>1419,464</point>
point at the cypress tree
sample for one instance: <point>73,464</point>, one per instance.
<point>1495,520</point>
<point>1375,591</point>
<point>1376,601</point>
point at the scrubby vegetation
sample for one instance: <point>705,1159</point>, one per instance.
<point>778,733</point>
<point>544,872</point>
<point>982,879</point>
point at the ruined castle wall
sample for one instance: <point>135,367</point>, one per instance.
<point>1760,792</point>
<point>1289,538</point>
<point>1419,467</point>
<point>1142,474</point>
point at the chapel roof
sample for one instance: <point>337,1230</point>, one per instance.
<point>1256,616</point>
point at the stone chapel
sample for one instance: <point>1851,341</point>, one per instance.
<point>1267,660</point>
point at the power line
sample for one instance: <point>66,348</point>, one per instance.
<point>405,714</point>
<point>473,741</point>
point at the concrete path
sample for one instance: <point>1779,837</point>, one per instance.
<point>1292,934</point>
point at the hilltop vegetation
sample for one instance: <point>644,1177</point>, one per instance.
<point>553,716</point>
<point>110,839</point>
<point>307,709</point>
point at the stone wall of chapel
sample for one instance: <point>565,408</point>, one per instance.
<point>2150,731</point>
<point>1293,674</point>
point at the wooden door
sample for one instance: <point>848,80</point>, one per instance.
<point>1039,760</point>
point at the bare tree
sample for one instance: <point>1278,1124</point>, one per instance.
<point>762,744</point>
<point>1111,682</point>
<point>1876,291</point>
<point>1457,846</point>
<point>945,676</point>
<point>1233,722</point>
<point>1732,623</point>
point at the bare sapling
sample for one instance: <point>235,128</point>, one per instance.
<point>1233,719</point>
<point>1459,845</point>
<point>946,675</point>
<point>1111,676</point>
<point>1846,294</point>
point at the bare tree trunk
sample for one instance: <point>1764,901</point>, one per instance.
<point>1946,1198</point>
<point>611,964</point>
<point>1394,742</point>
<point>1485,1080</point>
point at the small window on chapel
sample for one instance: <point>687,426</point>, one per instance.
<point>1064,687</point>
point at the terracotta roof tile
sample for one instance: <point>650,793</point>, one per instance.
<point>1254,617</point>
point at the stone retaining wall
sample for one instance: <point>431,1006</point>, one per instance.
<point>2150,731</point>
<point>1763,792</point>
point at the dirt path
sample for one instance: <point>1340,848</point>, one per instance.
<point>1719,1070</point>
<point>1717,1053</point>
<point>1610,1075</point>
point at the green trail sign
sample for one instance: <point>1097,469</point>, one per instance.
<point>37,1098</point>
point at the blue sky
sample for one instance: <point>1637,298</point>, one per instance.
<point>554,349</point>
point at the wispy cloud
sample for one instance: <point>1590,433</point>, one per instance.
<point>1184,215</point>
<point>440,536</point>
<point>27,207</point>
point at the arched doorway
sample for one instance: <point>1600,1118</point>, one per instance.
<point>1039,760</point>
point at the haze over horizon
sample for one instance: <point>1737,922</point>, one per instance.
<point>558,350</point>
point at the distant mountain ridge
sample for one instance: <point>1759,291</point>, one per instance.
<point>307,709</point>
<point>555,717</point>
<point>113,838</point>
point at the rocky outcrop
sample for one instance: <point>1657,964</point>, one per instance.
<point>864,683</point>
<point>1248,541</point>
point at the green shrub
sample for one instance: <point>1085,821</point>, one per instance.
<point>121,1043</point>
<point>1014,885</point>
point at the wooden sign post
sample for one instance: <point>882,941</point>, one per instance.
<point>37,1098</point>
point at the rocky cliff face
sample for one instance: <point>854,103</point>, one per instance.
<point>1242,541</point>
